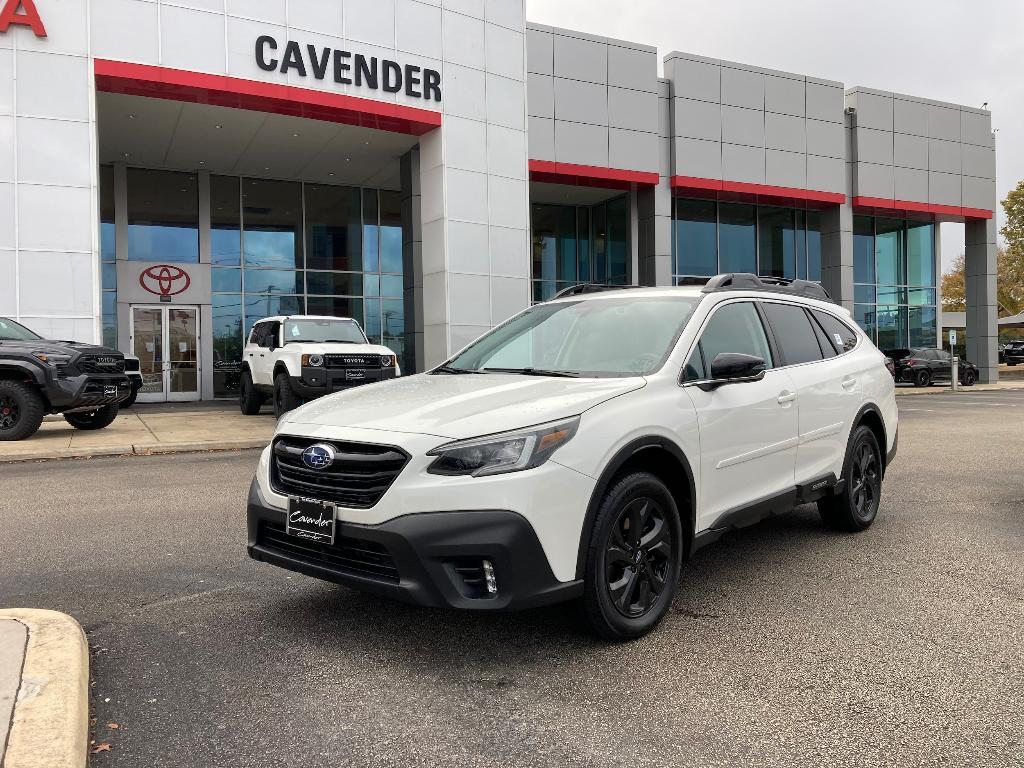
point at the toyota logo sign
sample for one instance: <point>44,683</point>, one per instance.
<point>165,280</point>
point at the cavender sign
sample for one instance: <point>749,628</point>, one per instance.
<point>347,68</point>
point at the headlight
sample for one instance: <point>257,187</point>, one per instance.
<point>506,452</point>
<point>52,359</point>
<point>312,361</point>
<point>386,361</point>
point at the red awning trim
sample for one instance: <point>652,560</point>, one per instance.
<point>935,210</point>
<point>588,175</point>
<point>719,188</point>
<point>223,91</point>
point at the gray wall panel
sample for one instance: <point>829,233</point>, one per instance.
<point>542,138</point>
<point>910,117</point>
<point>976,128</point>
<point>630,68</point>
<point>539,51</point>
<point>632,149</point>
<point>697,119</point>
<point>696,157</point>
<point>910,152</point>
<point>581,102</point>
<point>581,59</point>
<point>944,188</point>
<point>824,102</point>
<point>977,193</point>
<point>874,146</point>
<point>825,138</point>
<point>785,169</point>
<point>944,123</point>
<point>581,144</point>
<point>742,126</point>
<point>944,156</point>
<point>910,184</point>
<point>785,95</point>
<point>785,132</point>
<point>742,88</point>
<point>740,163</point>
<point>978,161</point>
<point>874,180</point>
<point>874,110</point>
<point>540,95</point>
<point>826,174</point>
<point>636,110</point>
<point>692,79</point>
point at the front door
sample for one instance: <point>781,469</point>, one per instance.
<point>166,341</point>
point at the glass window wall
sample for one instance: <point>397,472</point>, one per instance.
<point>108,256</point>
<point>163,216</point>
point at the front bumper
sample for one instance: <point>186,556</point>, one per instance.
<point>430,559</point>
<point>317,382</point>
<point>87,391</point>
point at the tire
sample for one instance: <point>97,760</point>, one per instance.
<point>21,410</point>
<point>856,507</point>
<point>284,398</point>
<point>627,594</point>
<point>129,401</point>
<point>969,378</point>
<point>90,420</point>
<point>922,379</point>
<point>249,400</point>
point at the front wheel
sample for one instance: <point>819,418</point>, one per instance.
<point>284,398</point>
<point>129,401</point>
<point>95,419</point>
<point>856,507</point>
<point>969,378</point>
<point>21,410</point>
<point>633,559</point>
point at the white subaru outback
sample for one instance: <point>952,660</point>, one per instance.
<point>583,449</point>
<point>299,358</point>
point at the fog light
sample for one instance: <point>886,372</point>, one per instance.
<point>492,585</point>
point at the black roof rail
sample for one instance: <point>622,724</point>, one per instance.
<point>582,288</point>
<point>747,281</point>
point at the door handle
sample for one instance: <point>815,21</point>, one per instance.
<point>848,382</point>
<point>786,397</point>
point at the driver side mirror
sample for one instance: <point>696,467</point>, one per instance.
<point>733,368</point>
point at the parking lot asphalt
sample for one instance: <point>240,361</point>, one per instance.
<point>786,645</point>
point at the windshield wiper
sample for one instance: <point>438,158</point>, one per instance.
<point>452,371</point>
<point>536,372</point>
<point>341,341</point>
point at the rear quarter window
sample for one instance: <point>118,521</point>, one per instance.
<point>794,333</point>
<point>842,336</point>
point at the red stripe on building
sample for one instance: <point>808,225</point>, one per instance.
<point>223,91</point>
<point>939,212</point>
<point>741,190</point>
<point>588,175</point>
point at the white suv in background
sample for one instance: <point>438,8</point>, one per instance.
<point>584,449</point>
<point>299,358</point>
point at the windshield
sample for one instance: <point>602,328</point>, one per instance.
<point>598,337</point>
<point>12,331</point>
<point>323,331</point>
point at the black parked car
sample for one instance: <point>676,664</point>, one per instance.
<point>921,366</point>
<point>84,382</point>
<point>1013,352</point>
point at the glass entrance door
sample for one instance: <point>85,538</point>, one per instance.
<point>166,341</point>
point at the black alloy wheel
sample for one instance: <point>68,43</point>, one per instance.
<point>638,557</point>
<point>10,412</point>
<point>865,482</point>
<point>633,557</point>
<point>922,379</point>
<point>969,378</point>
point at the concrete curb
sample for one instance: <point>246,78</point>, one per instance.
<point>50,727</point>
<point>142,449</point>
<point>944,390</point>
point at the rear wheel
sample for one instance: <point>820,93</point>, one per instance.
<point>249,400</point>
<point>95,419</point>
<point>633,559</point>
<point>21,410</point>
<point>922,379</point>
<point>284,398</point>
<point>856,507</point>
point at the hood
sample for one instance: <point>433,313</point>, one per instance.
<point>58,347</point>
<point>460,406</point>
<point>334,348</point>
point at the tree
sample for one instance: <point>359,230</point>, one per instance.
<point>954,287</point>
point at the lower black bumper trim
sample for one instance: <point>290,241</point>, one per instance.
<point>426,548</point>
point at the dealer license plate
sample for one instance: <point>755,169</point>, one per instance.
<point>311,519</point>
<point>355,373</point>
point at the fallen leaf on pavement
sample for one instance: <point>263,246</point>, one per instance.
<point>104,746</point>
<point>113,726</point>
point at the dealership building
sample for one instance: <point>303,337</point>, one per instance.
<point>171,171</point>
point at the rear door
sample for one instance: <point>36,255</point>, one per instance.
<point>747,430</point>
<point>943,364</point>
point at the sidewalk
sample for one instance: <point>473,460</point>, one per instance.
<point>146,429</point>
<point>44,690</point>
<point>935,389</point>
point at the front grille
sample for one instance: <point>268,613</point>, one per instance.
<point>359,476</point>
<point>352,361</point>
<point>100,364</point>
<point>357,557</point>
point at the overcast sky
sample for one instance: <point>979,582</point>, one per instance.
<point>962,51</point>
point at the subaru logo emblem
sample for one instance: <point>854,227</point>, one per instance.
<point>319,456</point>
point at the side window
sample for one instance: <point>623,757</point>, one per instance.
<point>793,333</point>
<point>256,337</point>
<point>694,370</point>
<point>734,328</point>
<point>836,330</point>
<point>829,347</point>
<point>270,335</point>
